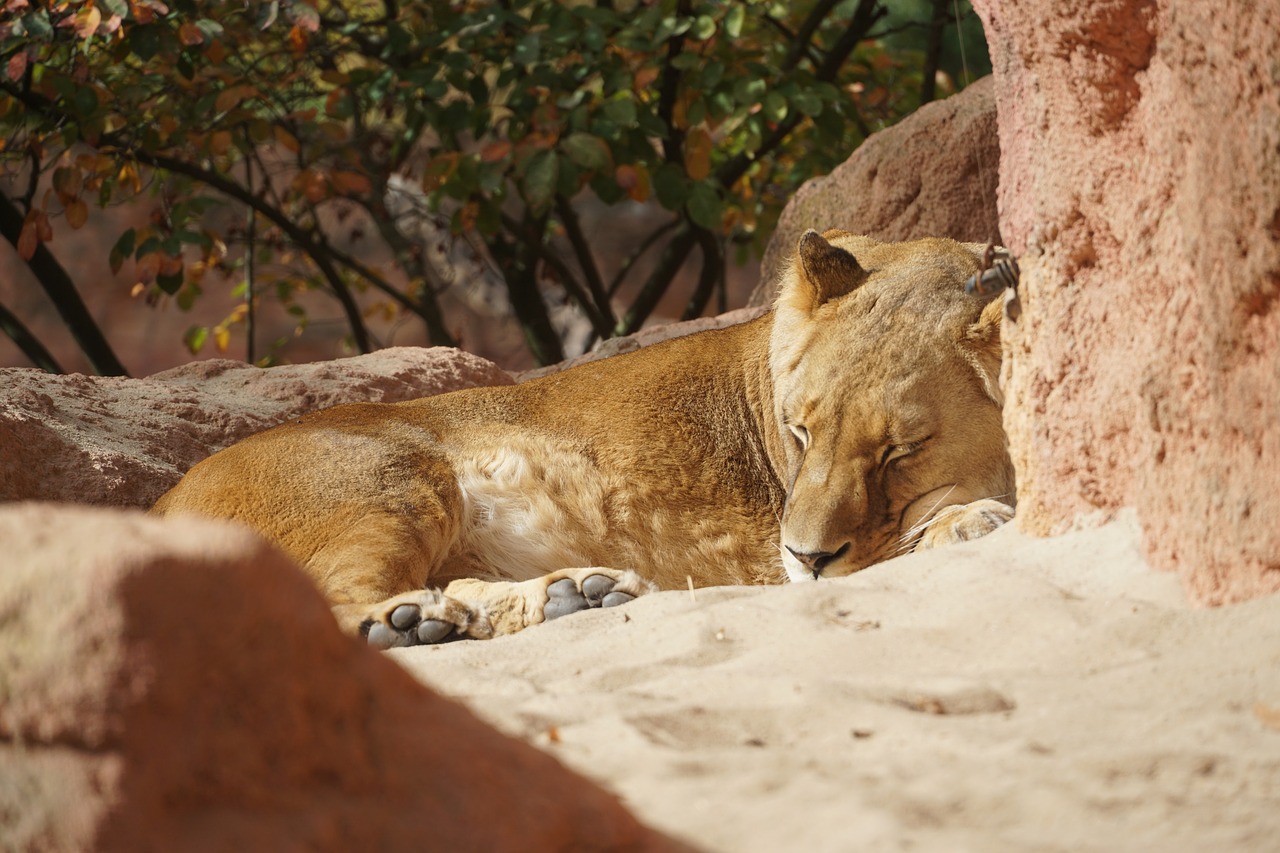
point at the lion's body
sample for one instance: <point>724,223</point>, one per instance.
<point>674,461</point>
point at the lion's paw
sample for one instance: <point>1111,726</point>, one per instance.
<point>581,589</point>
<point>963,522</point>
<point>423,617</point>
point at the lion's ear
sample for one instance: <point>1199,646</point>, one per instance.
<point>982,339</point>
<point>823,271</point>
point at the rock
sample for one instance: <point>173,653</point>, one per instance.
<point>124,442</point>
<point>931,175</point>
<point>1140,183</point>
<point>647,337</point>
<point>178,684</point>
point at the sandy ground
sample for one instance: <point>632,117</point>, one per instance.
<point>1007,694</point>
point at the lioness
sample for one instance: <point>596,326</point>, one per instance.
<point>858,420</point>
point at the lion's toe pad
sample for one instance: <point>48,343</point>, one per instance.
<point>421,619</point>
<point>568,595</point>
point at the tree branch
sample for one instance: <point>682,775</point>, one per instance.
<point>645,245</point>
<point>668,86</point>
<point>62,293</point>
<point>602,327</point>
<point>27,342</point>
<point>586,260</point>
<point>519,268</point>
<point>712,266</point>
<point>656,284</point>
<point>802,41</point>
<point>932,52</point>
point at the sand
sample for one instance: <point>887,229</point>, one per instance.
<point>1007,694</point>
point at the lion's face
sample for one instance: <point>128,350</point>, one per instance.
<point>886,394</point>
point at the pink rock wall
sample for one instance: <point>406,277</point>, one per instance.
<point>177,684</point>
<point>1140,184</point>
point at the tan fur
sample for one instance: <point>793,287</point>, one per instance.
<point>844,422</point>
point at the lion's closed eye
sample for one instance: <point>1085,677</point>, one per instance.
<point>894,452</point>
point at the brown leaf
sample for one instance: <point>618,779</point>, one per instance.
<point>230,98</point>
<point>495,151</point>
<point>87,21</point>
<point>697,153</point>
<point>287,139</point>
<point>29,238</point>
<point>297,40</point>
<point>43,229</point>
<point>215,52</point>
<point>17,65</point>
<point>77,212</point>
<point>148,266</point>
<point>350,183</point>
<point>635,180</point>
<point>220,142</point>
<point>190,35</point>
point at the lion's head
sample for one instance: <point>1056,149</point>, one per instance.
<point>885,376</point>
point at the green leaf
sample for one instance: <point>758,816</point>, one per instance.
<point>37,24</point>
<point>116,7</point>
<point>122,249</point>
<point>267,14</point>
<point>705,207</point>
<point>671,186</point>
<point>529,50</point>
<point>733,21</point>
<point>540,178</point>
<point>704,27</point>
<point>775,107</point>
<point>170,283</point>
<point>621,110</point>
<point>587,151</point>
<point>149,245</point>
<point>807,102</point>
<point>211,29</point>
<point>145,41</point>
<point>749,90</point>
<point>195,338</point>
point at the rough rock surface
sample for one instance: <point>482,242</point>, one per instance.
<point>1140,183</point>
<point>647,337</point>
<point>177,684</point>
<point>124,442</point>
<point>931,175</point>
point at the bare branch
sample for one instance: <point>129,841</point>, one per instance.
<point>586,260</point>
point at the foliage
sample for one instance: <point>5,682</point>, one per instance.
<point>507,114</point>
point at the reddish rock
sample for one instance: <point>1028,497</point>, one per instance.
<point>931,175</point>
<point>1140,183</point>
<point>646,337</point>
<point>178,684</point>
<point>124,442</point>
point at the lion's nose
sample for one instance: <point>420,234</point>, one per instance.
<point>818,560</point>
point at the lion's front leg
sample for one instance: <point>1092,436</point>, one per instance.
<point>479,609</point>
<point>963,522</point>
<point>512,606</point>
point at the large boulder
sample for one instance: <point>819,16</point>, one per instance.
<point>124,442</point>
<point>178,684</point>
<point>931,175</point>
<point>1140,183</point>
